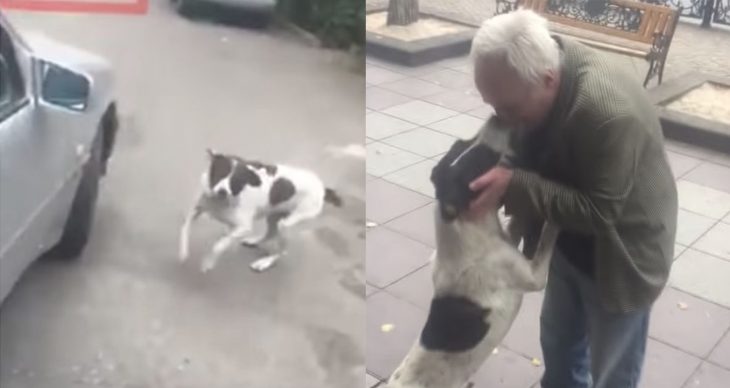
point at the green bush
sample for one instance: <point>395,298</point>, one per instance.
<point>338,23</point>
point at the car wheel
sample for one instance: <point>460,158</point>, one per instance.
<point>81,216</point>
<point>182,7</point>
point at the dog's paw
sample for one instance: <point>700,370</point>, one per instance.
<point>183,252</point>
<point>251,245</point>
<point>208,264</point>
<point>264,263</point>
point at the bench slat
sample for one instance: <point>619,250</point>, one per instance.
<point>612,43</point>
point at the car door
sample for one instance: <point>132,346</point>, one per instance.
<point>29,170</point>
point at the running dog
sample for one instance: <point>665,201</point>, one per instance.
<point>479,274</point>
<point>246,196</point>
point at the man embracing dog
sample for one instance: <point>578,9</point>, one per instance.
<point>592,162</point>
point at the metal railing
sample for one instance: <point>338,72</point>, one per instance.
<point>709,11</point>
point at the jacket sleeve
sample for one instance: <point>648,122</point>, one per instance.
<point>606,160</point>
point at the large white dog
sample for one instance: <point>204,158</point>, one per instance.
<point>245,195</point>
<point>479,274</point>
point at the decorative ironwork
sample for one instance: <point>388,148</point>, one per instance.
<point>505,6</point>
<point>717,11</point>
<point>697,9</point>
<point>657,57</point>
<point>690,8</point>
<point>722,12</point>
<point>598,12</point>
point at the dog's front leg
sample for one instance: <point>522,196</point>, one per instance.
<point>531,275</point>
<point>543,254</point>
<point>268,261</point>
<point>222,245</point>
<point>192,215</point>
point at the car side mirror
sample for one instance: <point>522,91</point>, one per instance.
<point>63,87</point>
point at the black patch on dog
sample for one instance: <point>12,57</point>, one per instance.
<point>220,167</point>
<point>281,191</point>
<point>454,324</point>
<point>241,177</point>
<point>451,182</point>
<point>331,197</point>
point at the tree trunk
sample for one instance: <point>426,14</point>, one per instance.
<point>707,13</point>
<point>402,12</point>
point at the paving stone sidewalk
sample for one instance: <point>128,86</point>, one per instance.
<point>413,116</point>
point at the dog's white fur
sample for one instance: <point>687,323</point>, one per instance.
<point>247,213</point>
<point>479,261</point>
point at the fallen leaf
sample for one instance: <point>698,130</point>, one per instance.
<point>682,305</point>
<point>536,362</point>
<point>387,327</point>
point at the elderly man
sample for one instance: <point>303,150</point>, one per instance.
<point>591,160</point>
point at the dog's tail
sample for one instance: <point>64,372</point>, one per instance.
<point>331,197</point>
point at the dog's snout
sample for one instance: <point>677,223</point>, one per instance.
<point>449,212</point>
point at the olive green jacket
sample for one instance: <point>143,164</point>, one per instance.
<point>602,170</point>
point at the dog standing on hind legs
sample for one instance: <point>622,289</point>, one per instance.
<point>479,275</point>
<point>246,196</point>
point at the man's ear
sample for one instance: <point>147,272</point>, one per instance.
<point>550,78</point>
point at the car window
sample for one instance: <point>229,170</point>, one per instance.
<point>12,92</point>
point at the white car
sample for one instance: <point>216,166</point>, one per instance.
<point>57,128</point>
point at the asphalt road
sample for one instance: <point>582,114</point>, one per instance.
<point>128,314</point>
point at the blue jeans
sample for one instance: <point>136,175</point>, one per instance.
<point>584,345</point>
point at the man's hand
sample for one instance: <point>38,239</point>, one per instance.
<point>492,185</point>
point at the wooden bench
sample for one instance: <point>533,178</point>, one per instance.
<point>622,26</point>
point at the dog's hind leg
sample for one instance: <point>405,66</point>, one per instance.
<point>304,211</point>
<point>267,262</point>
<point>259,233</point>
<point>192,215</point>
<point>224,243</point>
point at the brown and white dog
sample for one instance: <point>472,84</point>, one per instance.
<point>479,275</point>
<point>246,195</point>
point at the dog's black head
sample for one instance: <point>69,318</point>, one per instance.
<point>231,169</point>
<point>465,161</point>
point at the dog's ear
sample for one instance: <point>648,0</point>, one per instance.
<point>242,176</point>
<point>456,149</point>
<point>435,171</point>
<point>211,153</point>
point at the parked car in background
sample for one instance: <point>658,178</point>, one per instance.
<point>58,122</point>
<point>254,12</point>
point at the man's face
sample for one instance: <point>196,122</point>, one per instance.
<point>521,104</point>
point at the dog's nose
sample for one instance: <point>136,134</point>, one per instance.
<point>448,212</point>
<point>221,193</point>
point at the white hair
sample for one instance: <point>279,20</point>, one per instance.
<point>523,39</point>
